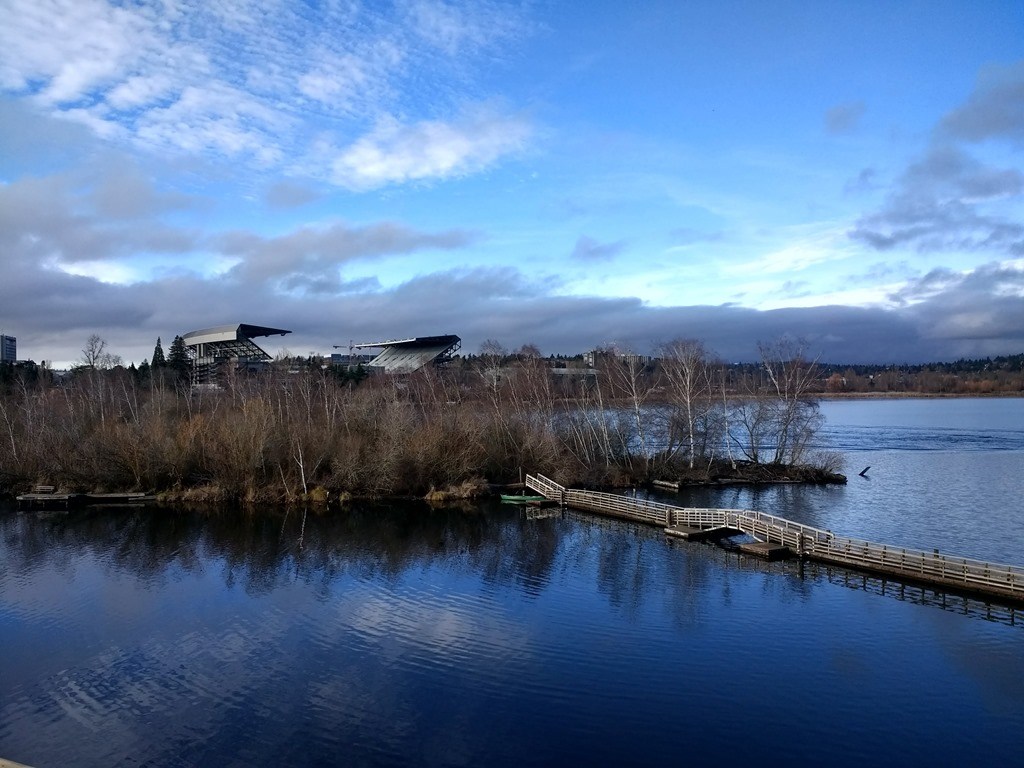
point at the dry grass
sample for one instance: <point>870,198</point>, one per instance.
<point>278,438</point>
<point>467,490</point>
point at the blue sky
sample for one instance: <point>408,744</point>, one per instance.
<point>562,174</point>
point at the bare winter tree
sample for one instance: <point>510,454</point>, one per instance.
<point>95,355</point>
<point>791,379</point>
<point>528,352</point>
<point>684,365</point>
<point>627,379</point>
<point>492,354</point>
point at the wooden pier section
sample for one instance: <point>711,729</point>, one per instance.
<point>780,537</point>
<point>47,497</point>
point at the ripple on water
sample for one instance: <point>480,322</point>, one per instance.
<point>572,639</point>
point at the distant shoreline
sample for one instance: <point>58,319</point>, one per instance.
<point>918,395</point>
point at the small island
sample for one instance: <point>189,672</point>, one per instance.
<point>184,428</point>
<point>299,431</point>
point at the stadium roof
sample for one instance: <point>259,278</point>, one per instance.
<point>229,333</point>
<point>209,348</point>
<point>408,355</point>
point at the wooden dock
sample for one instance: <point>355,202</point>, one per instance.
<point>700,534</point>
<point>766,550</point>
<point>46,497</point>
<point>965,575</point>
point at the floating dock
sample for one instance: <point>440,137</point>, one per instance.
<point>765,550</point>
<point>46,497</point>
<point>777,537</point>
<point>700,534</point>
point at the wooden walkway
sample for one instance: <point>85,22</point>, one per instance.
<point>959,573</point>
<point>46,497</point>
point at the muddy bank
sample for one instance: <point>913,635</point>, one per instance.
<point>747,472</point>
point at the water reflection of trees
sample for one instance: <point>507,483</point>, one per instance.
<point>805,504</point>
<point>267,550</point>
<point>918,594</point>
<point>263,551</point>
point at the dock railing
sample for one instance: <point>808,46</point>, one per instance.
<point>962,573</point>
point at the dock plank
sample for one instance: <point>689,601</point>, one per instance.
<point>700,534</point>
<point>766,551</point>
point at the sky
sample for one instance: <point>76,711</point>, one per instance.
<point>562,174</point>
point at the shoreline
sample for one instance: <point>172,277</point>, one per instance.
<point>919,395</point>
<point>478,489</point>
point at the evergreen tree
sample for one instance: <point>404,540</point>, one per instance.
<point>177,358</point>
<point>158,355</point>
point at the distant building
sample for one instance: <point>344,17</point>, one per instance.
<point>211,349</point>
<point>8,349</point>
<point>409,355</point>
<point>591,358</point>
<point>351,360</point>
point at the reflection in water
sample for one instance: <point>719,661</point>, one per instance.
<point>963,504</point>
<point>262,552</point>
<point>809,505</point>
<point>917,594</point>
<point>392,634</point>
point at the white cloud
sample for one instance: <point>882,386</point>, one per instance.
<point>460,28</point>
<point>810,246</point>
<point>140,91</point>
<point>870,296</point>
<point>219,119</point>
<point>352,82</point>
<point>394,153</point>
<point>94,121</point>
<point>73,46</point>
<point>103,271</point>
<point>239,79</point>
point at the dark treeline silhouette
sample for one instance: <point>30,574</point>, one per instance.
<point>296,430</point>
<point>990,375</point>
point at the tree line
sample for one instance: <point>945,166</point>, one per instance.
<point>291,431</point>
<point>986,376</point>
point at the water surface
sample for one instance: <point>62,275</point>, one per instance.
<point>403,636</point>
<point>944,474</point>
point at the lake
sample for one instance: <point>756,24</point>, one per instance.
<point>944,474</point>
<point>398,635</point>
